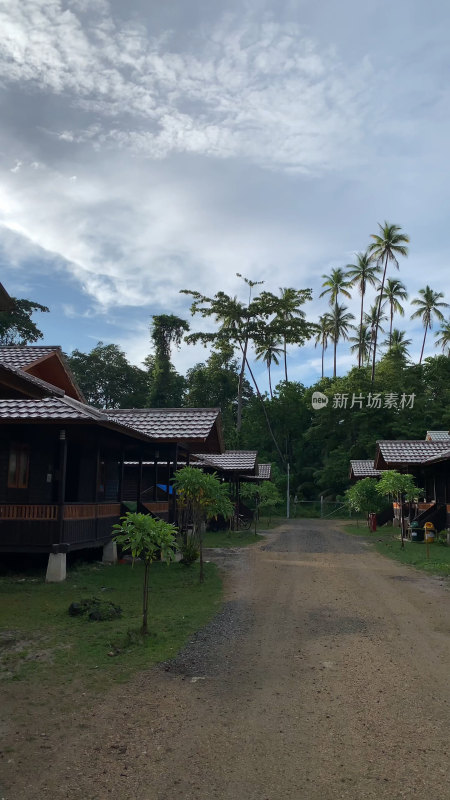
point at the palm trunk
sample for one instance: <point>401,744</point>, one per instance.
<point>285,360</point>
<point>360,353</point>
<point>378,320</point>
<point>323,353</point>
<point>241,384</point>
<point>260,397</point>
<point>270,383</point>
<point>390,329</point>
<point>423,344</point>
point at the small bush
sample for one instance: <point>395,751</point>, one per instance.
<point>95,609</point>
<point>189,552</point>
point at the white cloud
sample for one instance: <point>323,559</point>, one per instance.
<point>260,90</point>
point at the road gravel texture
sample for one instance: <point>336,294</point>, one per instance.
<point>325,676</point>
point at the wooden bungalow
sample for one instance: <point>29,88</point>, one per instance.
<point>62,482</point>
<point>429,462</point>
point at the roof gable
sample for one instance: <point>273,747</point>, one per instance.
<point>47,363</point>
<point>407,452</point>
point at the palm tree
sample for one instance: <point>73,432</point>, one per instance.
<point>370,319</point>
<point>269,351</point>
<point>428,305</point>
<point>323,332</point>
<point>335,284</point>
<point>288,308</point>
<point>362,274</point>
<point>443,337</point>
<point>362,343</point>
<point>389,243</point>
<point>397,344</point>
<point>395,291</point>
<point>340,323</point>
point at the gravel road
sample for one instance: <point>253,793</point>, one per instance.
<point>325,676</point>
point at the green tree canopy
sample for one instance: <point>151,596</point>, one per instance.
<point>107,379</point>
<point>17,325</point>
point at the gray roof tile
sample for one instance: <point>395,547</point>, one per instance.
<point>230,460</point>
<point>437,436</point>
<point>25,356</point>
<point>169,424</point>
<point>363,468</point>
<point>410,451</point>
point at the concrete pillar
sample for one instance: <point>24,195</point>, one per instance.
<point>109,553</point>
<point>56,568</point>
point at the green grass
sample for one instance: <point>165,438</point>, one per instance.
<point>230,538</point>
<point>40,641</point>
<point>413,553</point>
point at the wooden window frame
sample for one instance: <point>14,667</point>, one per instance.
<point>20,451</point>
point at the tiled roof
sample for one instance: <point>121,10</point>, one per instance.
<point>363,468</point>
<point>46,409</point>
<point>23,357</point>
<point>437,436</point>
<point>444,456</point>
<point>169,424</point>
<point>410,452</point>
<point>263,473</point>
<point>230,460</point>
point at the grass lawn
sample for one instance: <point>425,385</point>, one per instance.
<point>413,553</point>
<point>40,641</point>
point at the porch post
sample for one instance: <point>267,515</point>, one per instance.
<point>121,471</point>
<point>56,567</point>
<point>139,484</point>
<point>173,504</point>
<point>62,482</point>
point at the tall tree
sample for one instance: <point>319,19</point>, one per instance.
<point>370,319</point>
<point>288,310</point>
<point>387,244</point>
<point>361,343</point>
<point>16,324</point>
<point>395,291</point>
<point>362,274</point>
<point>268,350</point>
<point>107,379</point>
<point>335,284</point>
<point>323,334</point>
<point>429,305</point>
<point>443,337</point>
<point>397,344</point>
<point>166,386</point>
<point>341,322</point>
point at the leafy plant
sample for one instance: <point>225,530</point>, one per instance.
<point>201,497</point>
<point>399,487</point>
<point>364,497</point>
<point>146,538</point>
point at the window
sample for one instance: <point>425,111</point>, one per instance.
<point>19,462</point>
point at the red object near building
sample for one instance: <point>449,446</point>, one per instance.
<point>373,522</point>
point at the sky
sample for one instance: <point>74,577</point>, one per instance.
<point>149,147</point>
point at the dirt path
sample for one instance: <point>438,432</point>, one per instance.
<point>326,676</point>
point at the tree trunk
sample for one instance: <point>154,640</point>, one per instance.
<point>323,353</point>
<point>145,600</point>
<point>378,320</point>
<point>360,358</point>
<point>335,348</point>
<point>390,329</point>
<point>270,383</point>
<point>241,383</point>
<point>285,360</point>
<point>423,344</point>
<point>265,412</point>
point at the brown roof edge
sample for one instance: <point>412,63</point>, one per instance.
<point>57,351</point>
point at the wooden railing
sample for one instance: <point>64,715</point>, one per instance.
<point>72,511</point>
<point>91,510</point>
<point>161,505</point>
<point>28,512</point>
